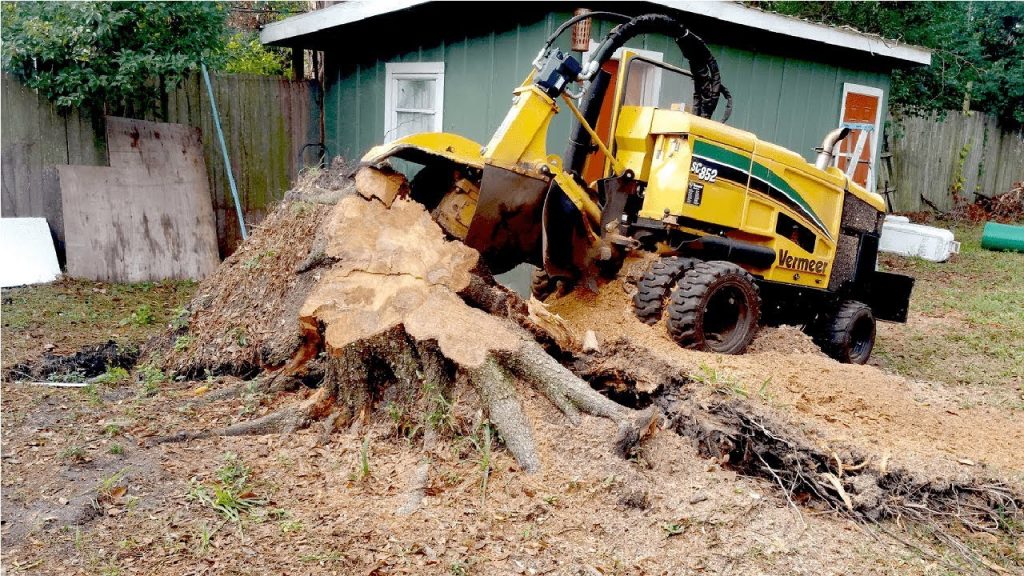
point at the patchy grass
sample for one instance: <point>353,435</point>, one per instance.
<point>967,318</point>
<point>65,315</point>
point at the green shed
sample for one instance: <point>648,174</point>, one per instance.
<point>394,67</point>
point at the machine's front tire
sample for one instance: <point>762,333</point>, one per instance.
<point>716,307</point>
<point>655,287</point>
<point>541,285</point>
<point>848,335</point>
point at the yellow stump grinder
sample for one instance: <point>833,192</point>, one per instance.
<point>745,232</point>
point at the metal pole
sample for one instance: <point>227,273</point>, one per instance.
<point>224,150</point>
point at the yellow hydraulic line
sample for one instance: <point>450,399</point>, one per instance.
<point>619,168</point>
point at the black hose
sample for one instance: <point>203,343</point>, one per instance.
<point>707,80</point>
<point>565,25</point>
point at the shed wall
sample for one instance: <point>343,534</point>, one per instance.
<point>780,97</point>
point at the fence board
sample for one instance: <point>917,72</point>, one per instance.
<point>266,120</point>
<point>934,156</point>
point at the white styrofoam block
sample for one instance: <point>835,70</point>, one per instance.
<point>928,242</point>
<point>26,252</point>
<point>895,218</point>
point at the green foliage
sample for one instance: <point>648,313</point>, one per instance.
<point>113,376</point>
<point>483,442</point>
<point>151,377</point>
<point>141,316</point>
<point>113,55</point>
<point>978,50</point>
<point>230,496</point>
<point>246,55</point>
<point>181,343</point>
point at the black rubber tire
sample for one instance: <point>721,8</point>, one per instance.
<point>655,287</point>
<point>541,285</point>
<point>848,334</point>
<point>716,307</point>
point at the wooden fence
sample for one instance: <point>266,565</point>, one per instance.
<point>936,156</point>
<point>266,120</point>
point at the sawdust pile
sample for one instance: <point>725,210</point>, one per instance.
<point>857,409</point>
<point>243,316</point>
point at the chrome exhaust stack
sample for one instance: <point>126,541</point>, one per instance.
<point>828,144</point>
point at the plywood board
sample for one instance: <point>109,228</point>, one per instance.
<point>158,147</point>
<point>147,217</point>
<point>26,252</point>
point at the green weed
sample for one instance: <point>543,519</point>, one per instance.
<point>181,343</point>
<point>116,449</point>
<point>73,452</point>
<point>240,336</point>
<point>720,383</point>
<point>203,538</point>
<point>92,392</point>
<point>141,316</point>
<point>230,496</point>
<point>179,318</point>
<point>113,376</point>
<point>74,376</point>
<point>106,486</point>
<point>233,472</point>
<point>483,441</point>
<point>151,377</point>
<point>289,526</point>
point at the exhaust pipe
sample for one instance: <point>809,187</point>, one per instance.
<point>825,154</point>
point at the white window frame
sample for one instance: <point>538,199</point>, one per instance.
<point>649,54</point>
<point>394,71</point>
<point>849,88</point>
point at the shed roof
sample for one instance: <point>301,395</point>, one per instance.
<point>290,30</point>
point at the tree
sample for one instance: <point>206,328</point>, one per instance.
<point>109,56</point>
<point>977,50</point>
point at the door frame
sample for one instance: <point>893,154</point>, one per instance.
<point>849,87</point>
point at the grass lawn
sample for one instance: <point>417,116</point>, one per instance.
<point>967,320</point>
<point>63,316</point>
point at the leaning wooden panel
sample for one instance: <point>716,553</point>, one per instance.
<point>130,225</point>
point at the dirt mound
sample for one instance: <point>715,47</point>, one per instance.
<point>242,318</point>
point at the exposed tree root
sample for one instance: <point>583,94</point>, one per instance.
<point>738,436</point>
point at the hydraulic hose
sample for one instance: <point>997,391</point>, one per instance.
<point>707,80</point>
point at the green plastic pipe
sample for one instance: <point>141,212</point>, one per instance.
<point>224,150</point>
<point>997,236</point>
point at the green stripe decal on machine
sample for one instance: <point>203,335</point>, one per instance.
<point>762,179</point>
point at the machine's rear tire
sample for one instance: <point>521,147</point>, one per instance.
<point>655,287</point>
<point>716,307</point>
<point>848,335</point>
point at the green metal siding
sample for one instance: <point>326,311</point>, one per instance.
<point>787,100</point>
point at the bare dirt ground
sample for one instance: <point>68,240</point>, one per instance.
<point>85,491</point>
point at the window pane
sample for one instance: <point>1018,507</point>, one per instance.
<point>413,123</point>
<point>417,94</point>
